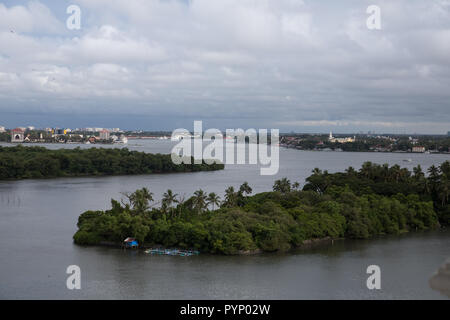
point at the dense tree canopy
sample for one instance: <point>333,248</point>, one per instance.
<point>37,162</point>
<point>374,201</point>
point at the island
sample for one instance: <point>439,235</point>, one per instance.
<point>22,162</point>
<point>375,200</point>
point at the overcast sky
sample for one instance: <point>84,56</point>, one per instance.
<point>305,66</point>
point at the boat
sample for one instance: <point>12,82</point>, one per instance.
<point>407,160</point>
<point>172,252</point>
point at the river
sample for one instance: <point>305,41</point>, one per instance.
<point>38,219</point>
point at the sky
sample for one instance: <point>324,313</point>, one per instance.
<point>293,65</point>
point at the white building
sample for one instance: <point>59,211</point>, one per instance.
<point>340,140</point>
<point>2,129</point>
<point>104,135</point>
<point>17,135</point>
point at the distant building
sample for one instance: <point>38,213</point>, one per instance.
<point>418,149</point>
<point>2,129</point>
<point>59,132</point>
<point>17,135</point>
<point>340,140</point>
<point>448,133</point>
<point>104,135</point>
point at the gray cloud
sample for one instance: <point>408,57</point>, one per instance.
<point>291,64</point>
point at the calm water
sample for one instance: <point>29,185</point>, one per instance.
<point>38,219</point>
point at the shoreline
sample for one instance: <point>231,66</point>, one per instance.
<point>307,244</point>
<point>366,151</point>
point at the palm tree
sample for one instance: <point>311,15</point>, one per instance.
<point>295,185</point>
<point>245,188</point>
<point>283,185</point>
<point>230,197</point>
<point>366,169</point>
<point>444,189</point>
<point>180,201</point>
<point>169,198</point>
<point>350,171</point>
<point>140,200</point>
<point>433,178</point>
<point>200,200</point>
<point>213,199</point>
<point>418,173</point>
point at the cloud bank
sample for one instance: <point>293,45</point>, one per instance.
<point>288,64</point>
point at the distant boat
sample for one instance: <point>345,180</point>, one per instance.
<point>407,160</point>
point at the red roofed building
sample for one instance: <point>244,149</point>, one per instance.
<point>17,135</point>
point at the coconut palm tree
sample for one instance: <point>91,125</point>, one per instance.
<point>295,185</point>
<point>418,173</point>
<point>200,200</point>
<point>283,185</point>
<point>140,200</point>
<point>213,199</point>
<point>444,189</point>
<point>169,198</point>
<point>245,188</point>
<point>230,197</point>
<point>433,179</point>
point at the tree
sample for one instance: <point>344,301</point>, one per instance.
<point>230,198</point>
<point>433,179</point>
<point>200,200</point>
<point>169,198</point>
<point>283,185</point>
<point>213,199</point>
<point>245,188</point>
<point>418,173</point>
<point>140,200</point>
<point>444,189</point>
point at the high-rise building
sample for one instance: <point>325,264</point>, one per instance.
<point>104,135</point>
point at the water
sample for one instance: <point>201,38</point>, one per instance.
<point>38,219</point>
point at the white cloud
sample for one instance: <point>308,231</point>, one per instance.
<point>34,17</point>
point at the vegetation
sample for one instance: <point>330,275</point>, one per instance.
<point>5,137</point>
<point>376,200</point>
<point>37,162</point>
<point>368,143</point>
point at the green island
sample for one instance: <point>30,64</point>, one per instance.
<point>21,162</point>
<point>373,201</point>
